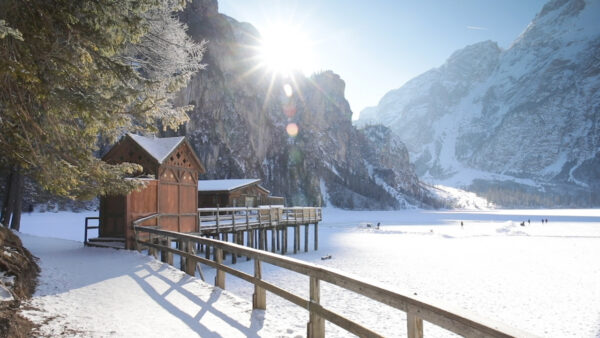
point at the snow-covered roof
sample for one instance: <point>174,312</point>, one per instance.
<point>225,185</point>
<point>159,148</point>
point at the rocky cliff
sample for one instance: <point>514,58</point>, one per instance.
<point>520,125</point>
<point>294,133</point>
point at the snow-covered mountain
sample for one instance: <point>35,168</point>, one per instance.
<point>520,125</point>
<point>241,115</point>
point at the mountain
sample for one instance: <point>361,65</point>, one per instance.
<point>239,127</point>
<point>520,126</point>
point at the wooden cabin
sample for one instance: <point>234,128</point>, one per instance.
<point>172,192</point>
<point>234,193</point>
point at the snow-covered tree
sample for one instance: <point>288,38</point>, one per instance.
<point>76,72</point>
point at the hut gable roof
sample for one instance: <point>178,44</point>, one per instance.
<point>155,150</point>
<point>227,185</point>
<point>158,148</point>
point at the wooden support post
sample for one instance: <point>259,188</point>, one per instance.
<point>233,254</point>
<point>316,236</point>
<point>181,245</point>
<point>169,254</point>
<point>277,234</point>
<point>273,235</point>
<point>224,237</point>
<point>217,219</point>
<point>220,276</point>
<point>415,326</point>
<point>305,237</point>
<point>247,218</point>
<point>261,242</point>
<point>250,240</point>
<point>207,252</point>
<point>298,237</point>
<point>295,239</point>
<point>316,324</point>
<point>266,238</point>
<point>190,264</point>
<point>284,240</point>
<point>151,250</point>
<point>233,221</point>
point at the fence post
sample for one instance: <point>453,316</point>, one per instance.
<point>190,264</point>
<point>217,219</point>
<point>415,326</point>
<point>247,218</point>
<point>182,246</point>
<point>233,221</point>
<point>220,276</point>
<point>316,324</point>
<point>259,298</point>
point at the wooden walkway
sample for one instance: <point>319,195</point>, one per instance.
<point>263,228</point>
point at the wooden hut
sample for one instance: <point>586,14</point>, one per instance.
<point>234,193</point>
<point>172,192</point>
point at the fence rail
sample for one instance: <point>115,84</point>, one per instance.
<point>89,227</point>
<point>416,308</point>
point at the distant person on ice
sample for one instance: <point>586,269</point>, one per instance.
<point>378,223</point>
<point>461,224</point>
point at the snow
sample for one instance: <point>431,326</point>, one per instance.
<point>224,185</point>
<point>159,148</point>
<point>541,278</point>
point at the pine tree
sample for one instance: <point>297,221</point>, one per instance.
<point>73,73</point>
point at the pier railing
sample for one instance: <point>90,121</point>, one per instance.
<point>416,308</point>
<point>237,218</point>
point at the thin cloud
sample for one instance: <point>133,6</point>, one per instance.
<point>477,28</point>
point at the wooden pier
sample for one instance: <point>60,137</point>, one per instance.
<point>264,228</point>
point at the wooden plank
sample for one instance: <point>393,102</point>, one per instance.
<point>259,298</point>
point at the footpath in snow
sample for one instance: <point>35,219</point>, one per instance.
<point>96,292</point>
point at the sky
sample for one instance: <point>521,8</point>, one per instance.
<point>378,45</point>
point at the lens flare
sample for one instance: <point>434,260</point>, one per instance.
<point>292,129</point>
<point>287,89</point>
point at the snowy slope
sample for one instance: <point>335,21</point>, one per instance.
<point>528,114</point>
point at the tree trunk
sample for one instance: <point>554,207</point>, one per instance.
<point>15,224</point>
<point>9,202</point>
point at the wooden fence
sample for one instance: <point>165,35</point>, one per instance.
<point>466,324</point>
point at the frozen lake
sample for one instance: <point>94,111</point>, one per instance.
<point>541,278</point>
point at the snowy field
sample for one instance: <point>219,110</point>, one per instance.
<point>541,278</point>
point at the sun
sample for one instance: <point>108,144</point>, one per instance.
<point>285,49</point>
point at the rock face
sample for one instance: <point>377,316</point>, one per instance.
<point>523,121</point>
<point>244,120</point>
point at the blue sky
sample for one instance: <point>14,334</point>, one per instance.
<point>376,46</point>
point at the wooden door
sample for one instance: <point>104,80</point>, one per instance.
<point>112,216</point>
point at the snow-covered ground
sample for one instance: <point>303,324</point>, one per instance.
<point>542,278</point>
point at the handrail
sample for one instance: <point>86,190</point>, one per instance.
<point>88,227</point>
<point>417,308</point>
